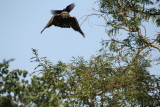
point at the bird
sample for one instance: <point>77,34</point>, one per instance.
<point>62,18</point>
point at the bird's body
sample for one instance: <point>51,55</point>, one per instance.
<point>62,18</point>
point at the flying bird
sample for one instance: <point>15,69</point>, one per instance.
<point>62,18</point>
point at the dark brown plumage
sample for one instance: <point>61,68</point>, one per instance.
<point>61,18</point>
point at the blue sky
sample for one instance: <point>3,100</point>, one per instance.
<point>22,20</point>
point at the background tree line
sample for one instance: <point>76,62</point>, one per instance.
<point>117,76</point>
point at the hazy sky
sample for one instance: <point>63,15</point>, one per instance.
<point>22,20</point>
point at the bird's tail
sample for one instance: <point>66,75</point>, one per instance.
<point>43,30</point>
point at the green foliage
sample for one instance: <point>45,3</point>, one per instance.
<point>100,81</point>
<point>130,12</point>
<point>129,16</point>
<point>7,102</point>
<point>158,22</point>
<point>12,83</point>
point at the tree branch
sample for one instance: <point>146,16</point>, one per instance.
<point>146,40</point>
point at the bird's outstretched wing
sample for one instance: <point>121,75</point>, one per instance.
<point>74,24</point>
<point>51,22</point>
<point>54,12</point>
<point>69,7</point>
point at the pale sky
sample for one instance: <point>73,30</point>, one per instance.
<point>22,20</point>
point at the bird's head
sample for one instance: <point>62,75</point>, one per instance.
<point>64,14</point>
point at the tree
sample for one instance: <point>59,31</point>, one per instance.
<point>12,85</point>
<point>129,16</point>
<point>99,81</point>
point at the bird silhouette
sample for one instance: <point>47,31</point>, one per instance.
<point>62,18</point>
